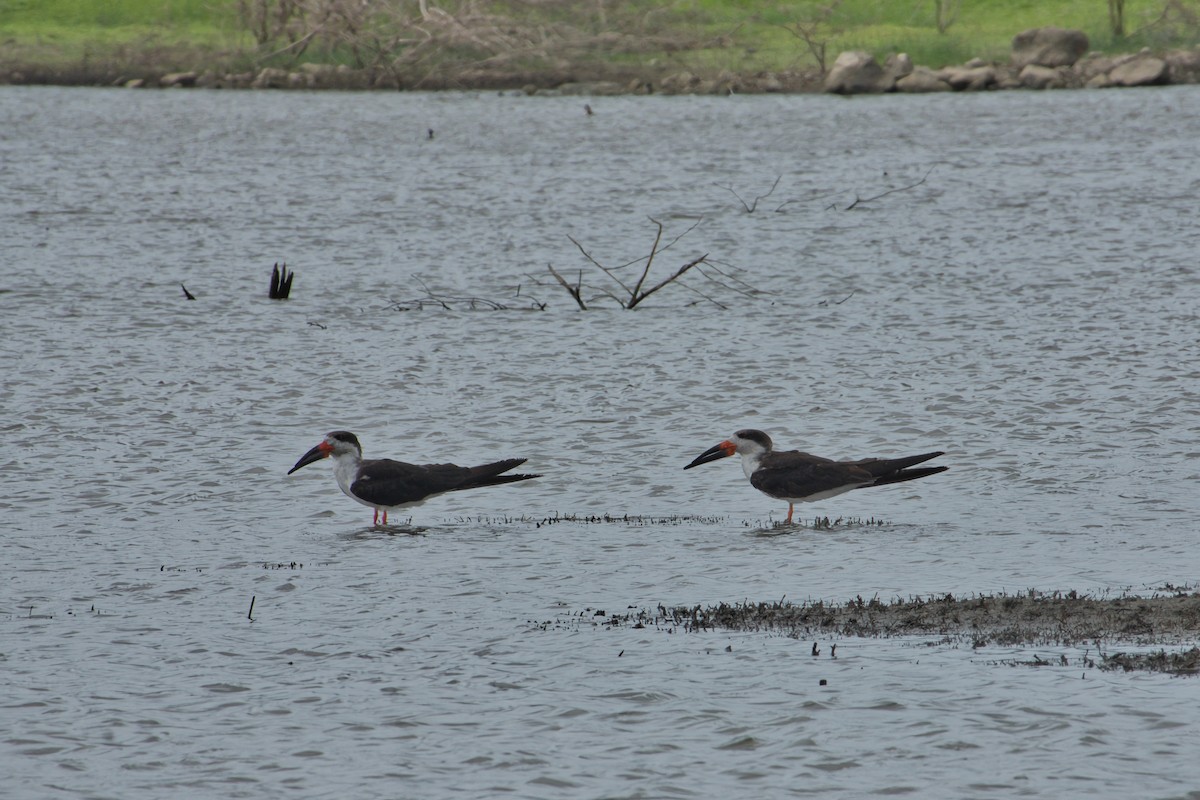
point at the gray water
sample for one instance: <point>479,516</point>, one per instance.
<point>1030,308</point>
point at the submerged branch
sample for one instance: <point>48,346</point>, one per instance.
<point>575,291</point>
<point>750,207</point>
<point>860,201</point>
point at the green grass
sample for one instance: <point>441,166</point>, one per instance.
<point>173,33</point>
<point>112,13</point>
<point>712,35</point>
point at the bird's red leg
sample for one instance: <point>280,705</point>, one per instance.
<point>791,506</point>
<point>375,519</point>
<point>385,516</point>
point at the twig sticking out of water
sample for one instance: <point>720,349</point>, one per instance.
<point>186,293</point>
<point>281,282</point>
<point>838,302</point>
<point>459,302</point>
<point>250,613</point>
<point>751,206</point>
<point>637,292</point>
<point>861,201</point>
<point>575,291</point>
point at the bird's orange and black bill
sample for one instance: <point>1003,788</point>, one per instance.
<point>723,450</point>
<point>316,454</point>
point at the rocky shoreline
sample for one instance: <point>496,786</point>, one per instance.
<point>1042,58</point>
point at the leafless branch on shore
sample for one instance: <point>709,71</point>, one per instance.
<point>816,30</point>
<point>412,44</point>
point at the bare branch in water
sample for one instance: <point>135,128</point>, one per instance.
<point>750,207</point>
<point>576,290</point>
<point>860,201</point>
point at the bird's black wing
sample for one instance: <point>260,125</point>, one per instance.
<point>389,483</point>
<point>793,474</point>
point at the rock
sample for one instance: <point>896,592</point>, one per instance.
<point>1092,65</point>
<point>1048,47</point>
<point>1098,81</point>
<point>972,79</point>
<point>1142,71</point>
<point>238,80</point>
<point>679,83</point>
<point>135,83</point>
<point>896,67</point>
<point>639,86</point>
<point>769,82</point>
<point>922,79</point>
<point>1007,78</point>
<point>1183,66</point>
<point>1034,77</point>
<point>855,72</point>
<point>270,78</point>
<point>592,88</point>
<point>178,79</point>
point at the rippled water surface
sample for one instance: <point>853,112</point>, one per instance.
<point>1030,308</point>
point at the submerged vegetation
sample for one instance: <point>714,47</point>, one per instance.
<point>443,43</point>
<point>1033,618</point>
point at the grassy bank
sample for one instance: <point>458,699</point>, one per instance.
<point>578,41</point>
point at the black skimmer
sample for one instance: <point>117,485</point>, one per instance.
<point>801,478</point>
<point>385,484</point>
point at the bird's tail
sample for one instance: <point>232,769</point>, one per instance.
<point>908,475</point>
<point>897,470</point>
<point>490,474</point>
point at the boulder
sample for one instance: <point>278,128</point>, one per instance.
<point>1007,78</point>
<point>178,79</point>
<point>1034,77</point>
<point>1142,71</point>
<point>591,88</point>
<point>922,79</point>
<point>1048,47</point>
<point>1183,66</point>
<point>768,82</point>
<point>679,83</point>
<point>856,72</point>
<point>1092,65</point>
<point>972,79</point>
<point>896,66</point>
<point>270,78</point>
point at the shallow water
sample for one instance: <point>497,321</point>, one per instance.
<point>1031,308</point>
